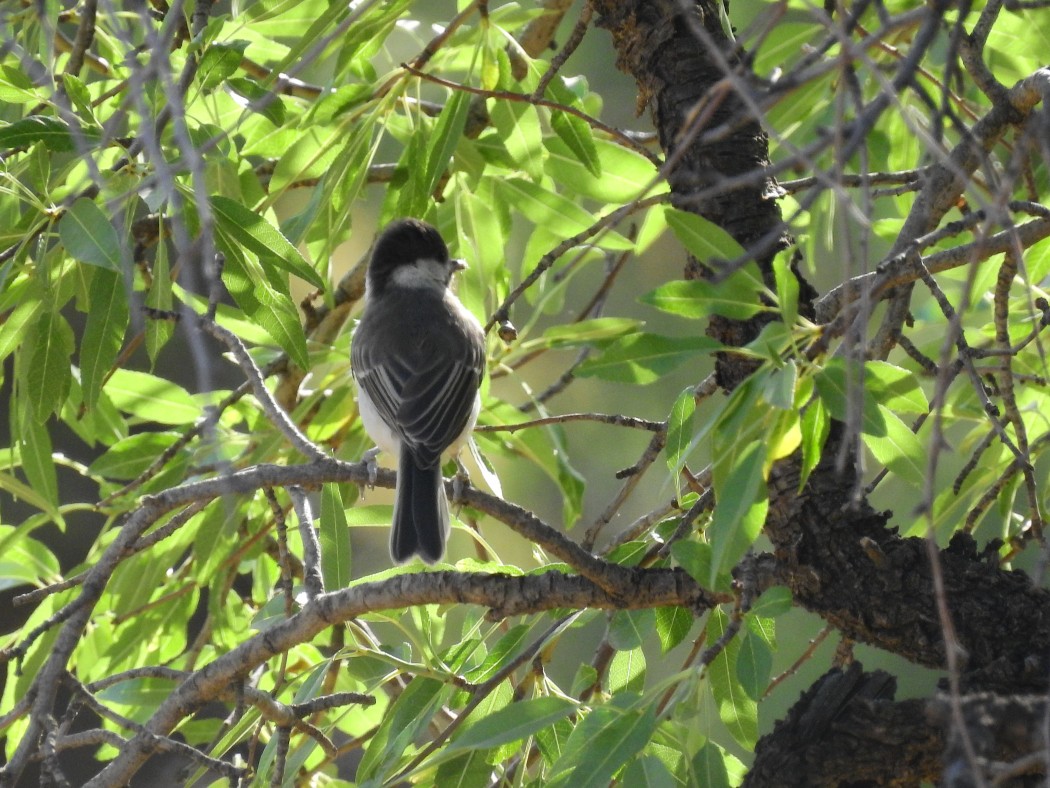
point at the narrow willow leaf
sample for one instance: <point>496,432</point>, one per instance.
<point>271,309</point>
<point>506,648</point>
<point>899,449</point>
<point>738,712</point>
<point>518,125</point>
<point>256,234</point>
<point>710,768</point>
<point>335,539</point>
<point>404,720</point>
<point>736,297</point>
<point>37,128</point>
<point>25,561</point>
<point>604,741</point>
<point>815,429</point>
<point>583,333</point>
<point>673,623</point>
<point>467,770</point>
<point>680,432</point>
<point>629,629</point>
<point>15,329</point>
<point>577,136</point>
<point>129,457</point>
<point>47,370</point>
<point>627,671</point>
<point>835,391</point>
<point>34,449</point>
<point>512,723</point>
<point>625,174</point>
<point>159,297</point>
<point>740,509</point>
<point>644,358</point>
<point>107,321</point>
<point>787,286</point>
<point>895,388</point>
<point>88,235</point>
<point>648,772</point>
<point>151,398</point>
<point>554,212</point>
<point>704,239</point>
<point>574,131</point>
<point>754,665</point>
<point>445,138</point>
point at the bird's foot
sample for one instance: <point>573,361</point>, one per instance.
<point>460,482</point>
<point>369,459</point>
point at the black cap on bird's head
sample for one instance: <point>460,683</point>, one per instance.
<point>406,242</point>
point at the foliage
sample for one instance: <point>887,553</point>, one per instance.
<point>174,182</point>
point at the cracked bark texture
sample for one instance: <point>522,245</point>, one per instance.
<point>841,559</point>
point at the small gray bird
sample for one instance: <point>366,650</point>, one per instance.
<point>418,357</point>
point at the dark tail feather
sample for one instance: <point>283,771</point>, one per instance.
<point>420,513</point>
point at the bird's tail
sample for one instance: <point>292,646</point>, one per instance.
<point>421,521</point>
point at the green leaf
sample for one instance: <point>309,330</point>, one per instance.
<point>271,309</point>
<point>159,297</point>
<point>710,768</point>
<point>34,449</point>
<point>25,561</point>
<point>88,235</point>
<point>605,740</point>
<point>574,131</point>
<point>260,99</point>
<point>107,321</point>
<point>627,671</point>
<point>335,539</point>
<point>15,329</point>
<point>583,333</point>
<point>648,772</point>
<point>445,138</point>
<point>895,387</point>
<point>151,398</point>
<point>467,770</point>
<point>680,431</point>
<point>554,212</point>
<point>577,136</point>
<point>37,128</point>
<point>835,391</point>
<point>644,358</point>
<point>513,723</point>
<point>219,62</point>
<point>507,648</point>
<point>408,716</point>
<point>256,234</point>
<point>815,429</point>
<point>673,623</point>
<point>130,456</point>
<point>625,174</point>
<point>694,558</point>
<point>629,629</point>
<point>48,350</point>
<point>787,286</point>
<point>705,240</point>
<point>898,449</point>
<point>518,125</point>
<point>738,712</point>
<point>754,665</point>
<point>740,509</point>
<point>737,297</point>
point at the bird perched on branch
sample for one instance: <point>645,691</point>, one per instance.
<point>418,357</point>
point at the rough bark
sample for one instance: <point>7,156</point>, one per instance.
<point>840,557</point>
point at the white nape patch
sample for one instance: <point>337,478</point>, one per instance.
<point>422,273</point>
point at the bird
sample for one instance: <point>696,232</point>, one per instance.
<point>418,356</point>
